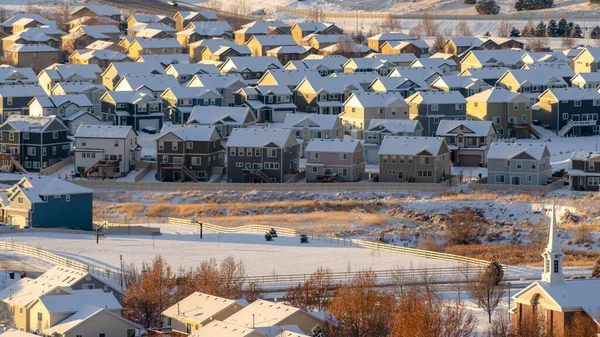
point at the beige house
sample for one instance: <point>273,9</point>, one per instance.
<point>90,320</point>
<point>375,42</point>
<point>361,107</point>
<point>96,10</point>
<point>302,29</point>
<point>36,56</point>
<point>468,141</point>
<point>194,312</point>
<point>259,44</point>
<point>153,47</point>
<point>183,18</point>
<point>587,60</point>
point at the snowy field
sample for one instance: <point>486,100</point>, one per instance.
<point>182,247</point>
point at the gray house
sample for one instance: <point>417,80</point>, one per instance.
<point>414,159</point>
<point>334,160</point>
<point>262,155</point>
<point>224,118</point>
<point>313,126</point>
<point>378,129</point>
<point>584,174</point>
<point>14,99</point>
<point>430,108</point>
<point>468,141</point>
<point>518,164</point>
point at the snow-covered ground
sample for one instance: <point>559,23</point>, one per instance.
<point>182,247</point>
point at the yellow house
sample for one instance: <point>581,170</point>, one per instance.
<point>529,82</point>
<point>91,320</point>
<point>153,47</point>
<point>259,44</point>
<point>509,111</point>
<point>303,29</point>
<point>195,311</point>
<point>362,107</point>
<point>222,329</point>
<point>36,56</point>
<point>587,60</point>
<point>493,59</point>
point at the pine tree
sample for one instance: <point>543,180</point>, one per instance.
<point>519,5</point>
<point>595,33</point>
<point>577,32</point>
<point>562,27</point>
<point>547,3</point>
<point>570,27</point>
<point>487,34</point>
<point>552,30</point>
<point>487,7</point>
<point>531,31</point>
<point>540,30</point>
<point>514,32</point>
<point>525,32</point>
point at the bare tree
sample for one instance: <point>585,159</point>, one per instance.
<point>463,29</point>
<point>486,291</point>
<point>568,42</point>
<point>582,232</point>
<point>504,29</point>
<point>344,46</point>
<point>232,275</point>
<point>5,316</point>
<point>429,26</point>
<point>438,44</point>
<point>532,326</point>
<point>538,44</point>
<point>213,4</point>
<point>317,15</point>
<point>417,31</point>
<point>500,326</point>
<point>314,293</point>
<point>238,10</point>
<point>464,227</point>
<point>391,24</point>
<point>581,325</point>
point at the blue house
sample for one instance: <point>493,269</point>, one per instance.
<point>40,201</point>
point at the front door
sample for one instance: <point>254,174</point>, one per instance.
<point>516,180</point>
<point>581,184</point>
<point>177,176</point>
<point>575,118</point>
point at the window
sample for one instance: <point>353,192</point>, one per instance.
<point>529,178</point>
<point>436,120</point>
<point>67,199</point>
<point>533,165</point>
<point>434,107</point>
<point>590,165</point>
<point>196,160</point>
<point>506,163</point>
<point>343,156</point>
<point>165,159</point>
<point>9,101</point>
<point>26,135</point>
<point>496,119</point>
<point>257,152</point>
<point>174,146</point>
<point>36,164</point>
<point>524,118</point>
<point>577,103</point>
<point>169,321</point>
<point>161,145</point>
<point>102,334</point>
<point>11,136</point>
<point>314,155</point>
<point>177,160</point>
<point>55,135</point>
<point>593,181</point>
<point>20,200</point>
<point>189,145</point>
<point>519,164</point>
<point>515,106</point>
<point>596,102</point>
<point>240,151</point>
<point>249,151</point>
<point>271,153</point>
<point>239,164</point>
<point>44,151</point>
<point>499,178</point>
<point>271,166</point>
<point>314,169</point>
<point>54,151</point>
<point>458,106</point>
<point>384,159</point>
<point>565,116</point>
<point>232,151</point>
<point>410,159</point>
<point>555,266</point>
<point>342,172</point>
<point>31,151</point>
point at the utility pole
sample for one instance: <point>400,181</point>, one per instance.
<point>194,220</point>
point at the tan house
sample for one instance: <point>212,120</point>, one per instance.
<point>291,53</point>
<point>90,320</point>
<point>36,56</point>
<point>103,58</point>
<point>417,47</point>
<point>259,44</point>
<point>117,70</point>
<point>321,41</point>
<point>561,303</point>
<point>82,36</point>
<point>96,10</point>
<point>218,50</point>
<point>153,47</point>
<point>361,107</point>
<point>509,111</point>
<point>587,60</point>
<point>511,58</point>
<point>94,21</point>
<point>268,27</point>
<point>302,29</point>
<point>375,42</point>
<point>222,329</point>
<point>468,141</point>
<point>197,310</point>
<point>149,18</point>
<point>183,18</point>
<point>197,31</point>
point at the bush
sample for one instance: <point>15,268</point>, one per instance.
<point>593,2</point>
<point>487,7</point>
<point>472,2</point>
<point>465,227</point>
<point>528,5</point>
<point>596,269</point>
<point>268,236</point>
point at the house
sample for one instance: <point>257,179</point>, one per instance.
<point>320,41</point>
<point>216,50</point>
<point>164,60</point>
<point>545,58</point>
<point>61,106</point>
<point>225,84</point>
<point>302,29</point>
<point>512,59</point>
<point>423,76</point>
<point>324,95</point>
<point>259,44</point>
<point>151,30</point>
<point>10,75</point>
<point>559,69</point>
<point>460,46</point>
<point>313,126</point>
<point>468,141</point>
<point>429,108</point>
<point>268,27</point>
<point>57,73</point>
<point>375,42</point>
<point>378,129</point>
<point>583,175</point>
<point>414,159</point>
<point>24,19</point>
<point>291,53</point>
<point>14,99</point>
<point>149,18</point>
<point>361,107</point>
<point>33,143</point>
<point>197,31</point>
<point>189,152</point>
<point>36,56</point>
<point>93,21</point>
<point>587,60</point>
<point>154,47</point>
<point>569,111</point>
<point>134,108</point>
<point>154,85</point>
<point>183,18</point>
<point>262,156</point>
<point>265,314</point>
<point>225,119</point>
<point>400,60</point>
<point>324,64</point>
<point>41,201</point>
<point>81,36</point>
<point>185,72</point>
<point>347,48</point>
<point>181,100</point>
<point>488,75</point>
<point>222,329</point>
<point>102,58</point>
<point>363,65</point>
<point>48,35</point>
<point>288,78</point>
<point>466,86</point>
<point>91,319</point>
<point>586,80</point>
<point>417,47</point>
<point>92,91</point>
<point>446,66</point>
<point>562,303</point>
<point>96,10</point>
<point>57,281</point>
<point>518,164</point>
<point>115,71</point>
<point>194,312</point>
<point>105,151</point>
<point>402,85</point>
<point>334,160</point>
<point>530,83</point>
<point>268,103</point>
<point>251,68</point>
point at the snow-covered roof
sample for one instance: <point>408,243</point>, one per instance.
<point>103,131</point>
<point>432,62</point>
<point>13,19</point>
<point>468,41</point>
<point>31,48</point>
<point>208,15</point>
<point>200,308</point>
<point>458,82</point>
<point>485,73</point>
<point>217,80</point>
<point>11,74</point>
<point>104,54</point>
<point>508,150</point>
<point>376,100</point>
<point>153,82</point>
<point>574,93</point>
<point>396,83</point>
<point>223,329</point>
<point>275,40</point>
<point>493,95</point>
<point>557,69</point>
<point>261,138</point>
<point>189,132</point>
<point>84,314</point>
<point>394,58</point>
<point>210,115</point>
<point>130,96</point>
<point>353,48</point>
<point>392,36</point>
<point>71,302</point>
<point>584,155</point>
<point>410,146</point>
<point>586,77</point>
<point>311,121</point>
<point>208,28</point>
<point>395,125</point>
<point>164,59</point>
<point>14,332</point>
<point>536,77</point>
<point>78,87</point>
<point>21,90</point>
<point>291,77</point>
<point>29,123</point>
<point>136,68</point>
<point>502,57</point>
<point>333,145</point>
<point>55,101</point>
<point>262,27</point>
<point>67,71</point>
<point>34,187</point>
<point>100,10</point>
<point>147,18</point>
<point>445,97</point>
<point>262,313</point>
<point>471,128</point>
<point>325,38</point>
<point>218,46</point>
<point>314,27</point>
<point>192,68</point>
<point>251,63</point>
<point>159,26</point>
<point>289,50</point>
<point>191,92</point>
<point>158,43</point>
<point>421,44</point>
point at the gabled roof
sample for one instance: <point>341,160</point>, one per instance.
<point>135,68</point>
<point>468,41</point>
<point>218,46</point>
<point>353,48</point>
<point>395,125</point>
<point>140,26</point>
<point>21,90</point>
<point>289,50</point>
<point>274,40</point>
<point>73,301</point>
<point>105,54</point>
<point>534,77</point>
<point>261,138</point>
<point>11,21</point>
<point>394,58</point>
<point>432,62</point>
<point>392,36</point>
<point>131,97</point>
<point>211,115</point>
<point>333,145</point>
<point>103,131</point>
<point>410,146</point>
<point>223,329</point>
<point>189,132</point>
<point>10,74</point>
<point>191,92</point>
<point>508,150</point>
<point>313,27</point>
<point>557,69</point>
<point>573,93</point>
<point>325,38</point>
<point>35,187</point>
<point>587,77</point>
<point>290,77</point>
<point>208,28</point>
<point>300,121</point>
<point>147,18</point>
<point>191,69</point>
<point>78,87</point>
<point>485,73</point>
<point>252,63</point>
<point>187,15</point>
<point>84,314</point>
<point>376,100</point>
<point>447,97</point>
<point>503,57</point>
<point>164,59</point>
<point>262,313</point>
<point>100,10</point>
<point>494,95</point>
<point>30,123</point>
<point>463,82</point>
<point>201,308</point>
<point>584,155</point>
<point>157,83</point>
<point>87,71</point>
<point>158,43</point>
<point>470,128</point>
<point>31,48</point>
<point>217,80</point>
<point>56,101</point>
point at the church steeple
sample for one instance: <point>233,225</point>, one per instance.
<point>553,255</point>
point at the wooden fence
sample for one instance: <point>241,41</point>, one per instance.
<point>543,189</point>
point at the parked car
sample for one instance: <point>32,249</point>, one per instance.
<point>148,158</point>
<point>173,3</point>
<point>149,129</point>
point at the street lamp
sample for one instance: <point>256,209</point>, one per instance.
<point>508,295</point>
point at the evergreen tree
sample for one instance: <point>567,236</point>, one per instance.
<point>487,34</point>
<point>540,30</point>
<point>577,32</point>
<point>525,32</point>
<point>487,7</point>
<point>531,31</point>
<point>562,27</point>
<point>547,3</point>
<point>570,27</point>
<point>552,30</point>
<point>520,5</point>
<point>514,32</point>
<point>595,33</point>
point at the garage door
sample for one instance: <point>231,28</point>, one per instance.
<point>17,219</point>
<point>149,122</point>
<point>468,160</point>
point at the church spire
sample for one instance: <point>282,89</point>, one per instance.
<point>553,255</point>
